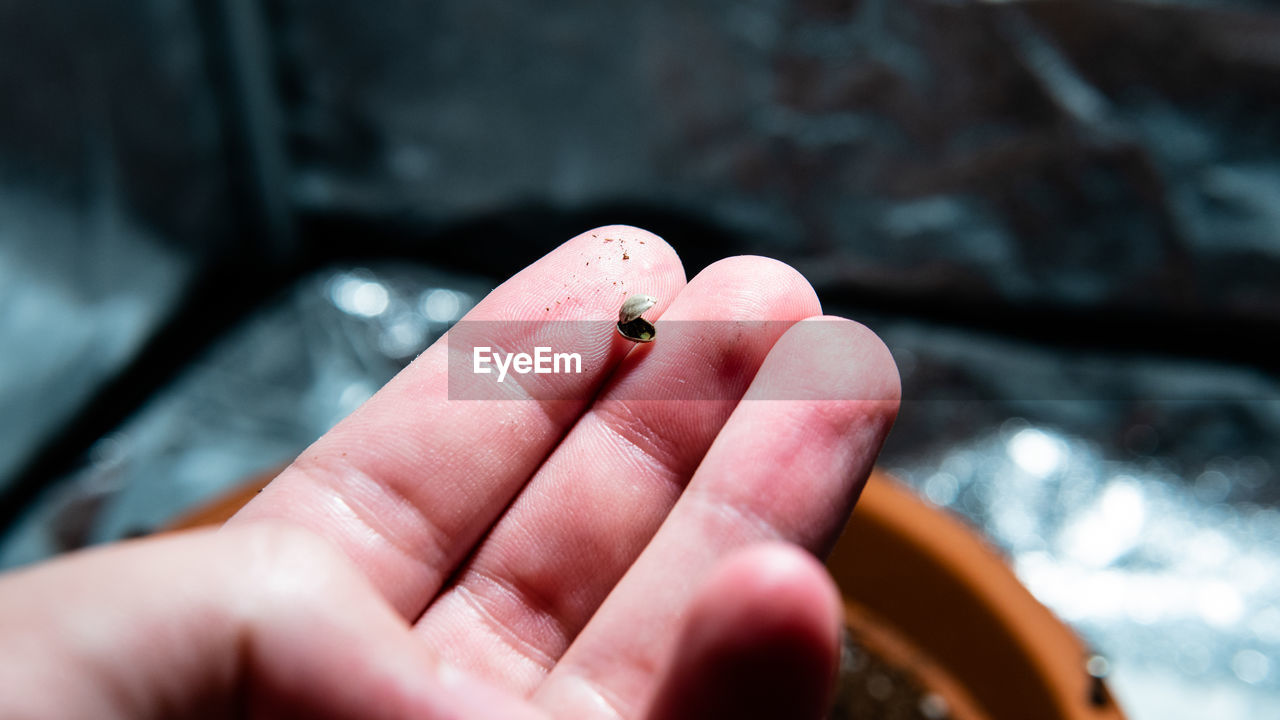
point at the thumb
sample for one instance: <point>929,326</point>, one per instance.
<point>258,621</point>
<point>761,640</point>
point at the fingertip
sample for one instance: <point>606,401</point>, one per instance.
<point>761,640</point>
<point>640,248</point>
<point>771,288</point>
<point>866,359</point>
<point>775,589</point>
<point>587,277</point>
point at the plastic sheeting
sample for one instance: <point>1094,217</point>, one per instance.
<point>248,406</point>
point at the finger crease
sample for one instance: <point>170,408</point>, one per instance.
<point>523,646</point>
<point>360,493</point>
<point>656,449</point>
<point>722,507</point>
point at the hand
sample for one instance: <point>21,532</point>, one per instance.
<point>428,558</point>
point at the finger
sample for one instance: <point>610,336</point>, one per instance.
<point>590,509</point>
<point>408,482</point>
<point>264,622</point>
<point>788,465</point>
<point>761,640</point>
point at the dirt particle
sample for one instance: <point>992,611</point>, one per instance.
<point>626,256</point>
<point>607,239</point>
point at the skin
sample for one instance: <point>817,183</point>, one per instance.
<point>600,557</point>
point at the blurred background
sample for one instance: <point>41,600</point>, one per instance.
<point>225,223</point>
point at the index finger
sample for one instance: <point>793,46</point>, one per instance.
<point>408,482</point>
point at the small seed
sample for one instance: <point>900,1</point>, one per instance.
<point>633,327</point>
<point>634,306</point>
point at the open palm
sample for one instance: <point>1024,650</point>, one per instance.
<point>590,557</point>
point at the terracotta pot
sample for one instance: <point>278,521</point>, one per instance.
<point>935,599</point>
<point>926,593</point>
